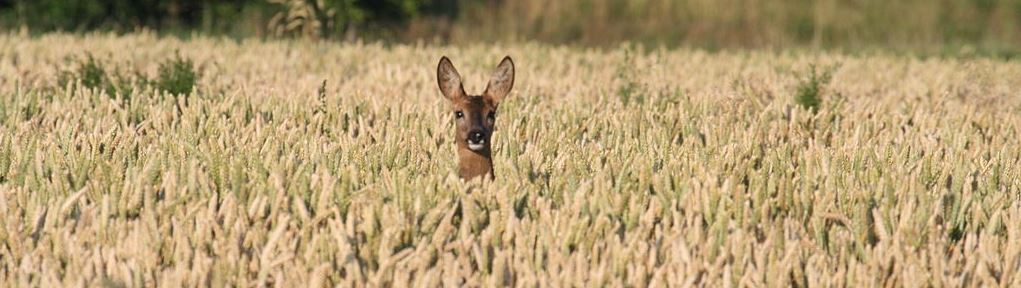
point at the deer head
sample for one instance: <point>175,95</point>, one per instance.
<point>475,115</point>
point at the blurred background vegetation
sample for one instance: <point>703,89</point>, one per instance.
<point>921,26</point>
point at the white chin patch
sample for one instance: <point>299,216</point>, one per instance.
<point>477,147</point>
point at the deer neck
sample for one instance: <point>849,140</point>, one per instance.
<point>474,163</point>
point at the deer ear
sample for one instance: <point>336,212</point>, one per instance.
<point>502,81</point>
<point>449,80</point>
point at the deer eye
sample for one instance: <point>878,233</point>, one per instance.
<point>492,115</point>
<point>459,114</point>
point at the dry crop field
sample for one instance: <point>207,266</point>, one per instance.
<point>615,167</point>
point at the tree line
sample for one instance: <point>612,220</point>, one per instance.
<point>323,18</point>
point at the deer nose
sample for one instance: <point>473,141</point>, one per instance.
<point>475,137</point>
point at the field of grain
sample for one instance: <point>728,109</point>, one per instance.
<point>618,167</point>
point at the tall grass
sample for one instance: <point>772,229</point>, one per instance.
<point>955,26</point>
<point>907,174</point>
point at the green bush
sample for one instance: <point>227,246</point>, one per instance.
<point>176,76</point>
<point>90,73</point>
<point>807,95</point>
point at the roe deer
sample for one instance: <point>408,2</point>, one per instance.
<point>475,115</point>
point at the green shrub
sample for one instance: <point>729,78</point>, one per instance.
<point>176,76</point>
<point>807,95</point>
<point>92,74</point>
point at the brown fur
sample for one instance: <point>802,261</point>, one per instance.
<point>475,114</point>
<point>473,164</point>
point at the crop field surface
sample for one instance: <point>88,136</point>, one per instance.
<point>137,160</point>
